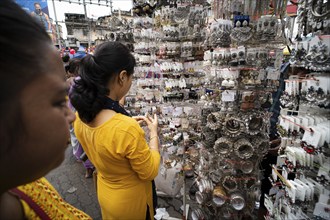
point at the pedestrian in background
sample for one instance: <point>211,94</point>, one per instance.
<point>77,150</point>
<point>113,141</point>
<point>34,119</point>
<point>66,59</point>
<point>72,71</point>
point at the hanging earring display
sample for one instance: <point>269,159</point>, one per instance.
<point>236,98</point>
<point>241,32</point>
<point>212,83</point>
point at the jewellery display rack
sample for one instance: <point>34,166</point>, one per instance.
<point>121,31</point>
<point>214,114</point>
<point>168,48</point>
<point>239,83</point>
<point>180,26</point>
<point>300,177</point>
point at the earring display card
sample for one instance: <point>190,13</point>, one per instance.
<point>228,96</point>
<point>273,74</point>
<point>309,134</point>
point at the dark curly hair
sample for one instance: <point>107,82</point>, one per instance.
<point>96,71</point>
<point>66,58</point>
<point>73,68</point>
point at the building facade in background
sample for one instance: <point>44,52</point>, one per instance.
<point>54,35</point>
<point>95,30</point>
<point>80,30</point>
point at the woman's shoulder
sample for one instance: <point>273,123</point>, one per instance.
<point>127,119</point>
<point>128,123</point>
<point>121,123</point>
<point>77,121</point>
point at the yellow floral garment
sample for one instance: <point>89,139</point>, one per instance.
<point>49,200</point>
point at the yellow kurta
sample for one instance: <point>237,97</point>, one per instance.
<point>125,166</point>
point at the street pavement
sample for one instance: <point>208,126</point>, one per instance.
<point>69,180</point>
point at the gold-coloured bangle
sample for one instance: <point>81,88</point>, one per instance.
<point>219,196</point>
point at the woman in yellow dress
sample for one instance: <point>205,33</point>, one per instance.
<point>114,142</point>
<point>34,119</point>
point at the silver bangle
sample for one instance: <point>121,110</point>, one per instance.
<point>202,198</point>
<point>223,146</point>
<point>237,201</point>
<point>229,183</point>
<point>198,214</point>
<point>205,185</point>
<point>233,127</point>
<point>243,148</point>
<point>249,182</point>
<point>262,145</point>
<point>213,121</point>
<point>226,212</point>
<point>254,124</point>
<point>247,166</point>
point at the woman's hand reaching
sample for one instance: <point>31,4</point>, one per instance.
<point>152,123</point>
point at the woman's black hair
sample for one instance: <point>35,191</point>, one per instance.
<point>22,42</point>
<point>65,58</point>
<point>89,92</point>
<point>73,67</point>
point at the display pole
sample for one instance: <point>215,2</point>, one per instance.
<point>57,29</point>
<point>111,7</point>
<point>88,23</point>
<point>132,13</point>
